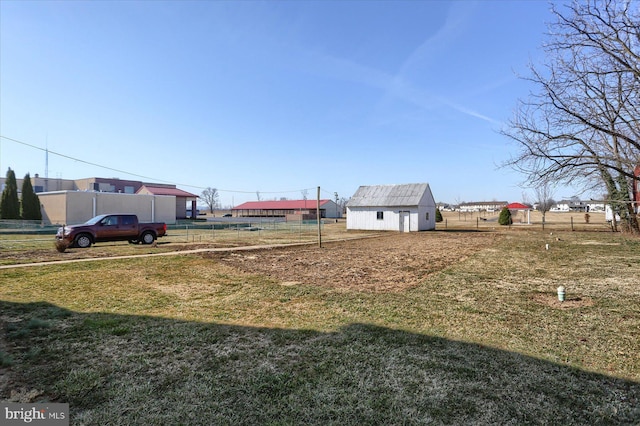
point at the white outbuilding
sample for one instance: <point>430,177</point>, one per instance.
<point>405,208</point>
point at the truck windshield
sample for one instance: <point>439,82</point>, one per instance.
<point>95,220</point>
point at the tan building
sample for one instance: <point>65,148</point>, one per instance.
<point>66,201</point>
<point>73,207</point>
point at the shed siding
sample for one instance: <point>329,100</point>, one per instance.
<point>365,218</point>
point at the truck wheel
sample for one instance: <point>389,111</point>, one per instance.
<point>83,241</point>
<point>148,238</point>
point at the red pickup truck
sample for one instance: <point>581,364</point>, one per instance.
<point>111,227</point>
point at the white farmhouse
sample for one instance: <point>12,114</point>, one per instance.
<point>404,208</point>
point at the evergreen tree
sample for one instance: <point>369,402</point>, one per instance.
<point>438,216</point>
<point>505,217</point>
<point>9,203</point>
<point>30,201</point>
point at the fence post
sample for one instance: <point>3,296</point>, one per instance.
<point>572,224</point>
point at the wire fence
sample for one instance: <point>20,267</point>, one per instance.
<point>30,234</point>
<point>243,230</point>
<point>523,220</point>
<point>19,234</point>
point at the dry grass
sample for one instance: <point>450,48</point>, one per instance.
<point>476,338</point>
<point>558,221</point>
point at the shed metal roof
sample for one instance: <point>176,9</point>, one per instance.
<point>389,195</point>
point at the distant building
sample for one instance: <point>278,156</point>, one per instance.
<point>571,206</point>
<point>182,197</point>
<point>302,209</point>
<point>516,208</point>
<point>404,208</point>
<point>482,206</point>
<point>575,205</point>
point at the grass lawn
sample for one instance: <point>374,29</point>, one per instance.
<point>195,339</point>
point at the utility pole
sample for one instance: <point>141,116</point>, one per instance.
<point>318,218</point>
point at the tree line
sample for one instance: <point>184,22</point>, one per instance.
<point>26,207</point>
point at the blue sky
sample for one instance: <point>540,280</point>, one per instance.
<point>274,96</point>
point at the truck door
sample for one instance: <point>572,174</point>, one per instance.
<point>128,227</point>
<point>107,228</point>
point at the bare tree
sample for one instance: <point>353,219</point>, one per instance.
<point>544,195</point>
<point>210,197</point>
<point>342,204</point>
<point>581,126</point>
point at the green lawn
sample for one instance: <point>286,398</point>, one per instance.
<point>189,340</point>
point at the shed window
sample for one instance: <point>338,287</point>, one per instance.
<point>380,215</point>
<point>427,216</point>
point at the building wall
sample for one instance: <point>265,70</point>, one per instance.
<point>53,208</point>
<point>41,184</point>
<point>108,185</point>
<point>180,207</point>
<point>73,207</point>
<point>332,210</point>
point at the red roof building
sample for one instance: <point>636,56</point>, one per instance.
<point>518,206</point>
<point>282,208</point>
<point>182,197</point>
<point>521,207</point>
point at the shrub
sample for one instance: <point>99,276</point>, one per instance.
<point>30,201</point>
<point>9,203</point>
<point>505,217</point>
<point>438,216</point>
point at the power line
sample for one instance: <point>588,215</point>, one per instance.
<point>152,179</point>
<point>80,160</point>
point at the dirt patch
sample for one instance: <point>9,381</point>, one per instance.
<point>101,250</point>
<point>393,262</point>
<point>597,243</point>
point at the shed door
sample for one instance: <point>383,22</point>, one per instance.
<point>405,221</point>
